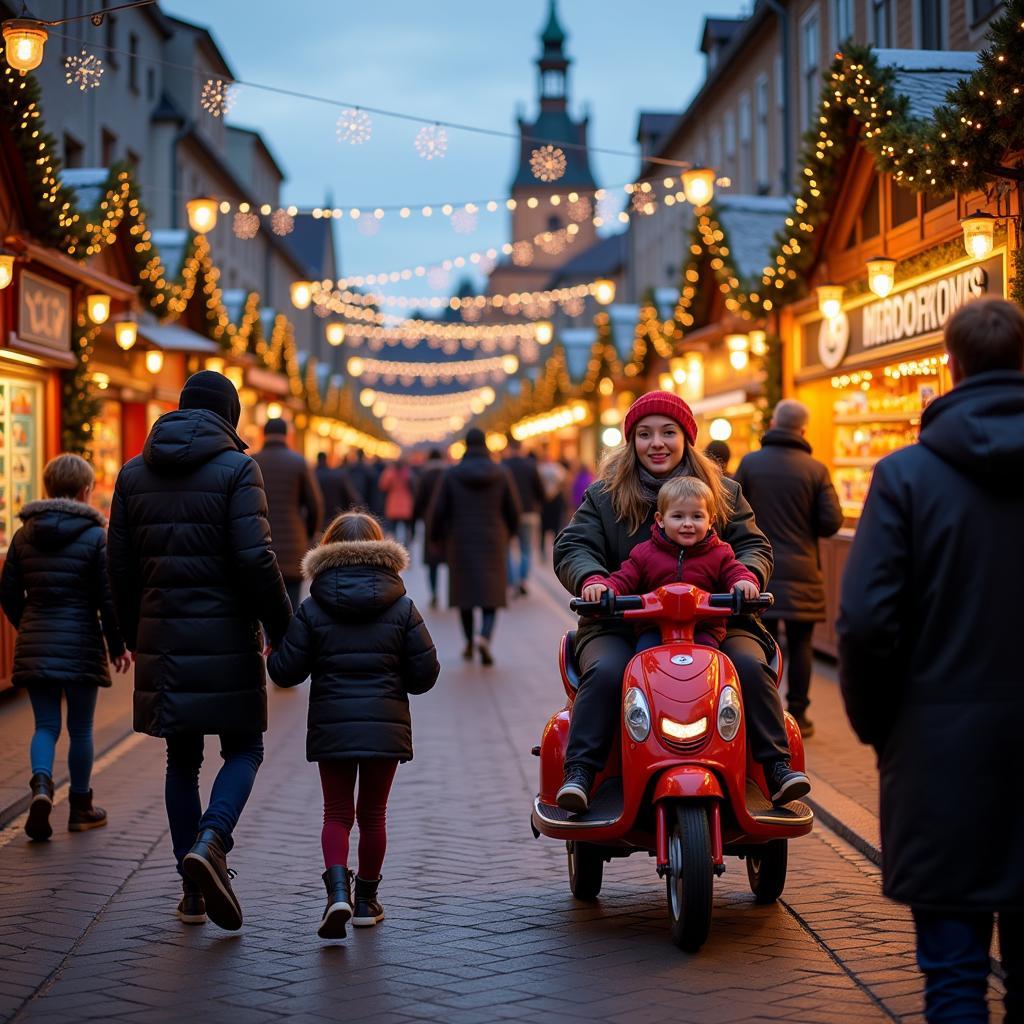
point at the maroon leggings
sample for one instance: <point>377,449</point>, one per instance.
<point>338,779</point>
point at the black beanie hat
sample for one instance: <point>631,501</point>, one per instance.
<point>475,438</point>
<point>210,390</point>
<point>275,426</point>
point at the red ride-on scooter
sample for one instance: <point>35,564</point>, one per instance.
<point>680,783</point>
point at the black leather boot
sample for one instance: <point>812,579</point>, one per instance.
<point>38,825</point>
<point>206,864</point>
<point>368,911</point>
<point>83,816</point>
<point>338,881</point>
<point>192,908</point>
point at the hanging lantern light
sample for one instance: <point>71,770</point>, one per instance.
<point>355,367</point>
<point>544,332</point>
<point>6,269</point>
<point>830,300</point>
<point>510,363</point>
<point>758,343</point>
<point>367,397</point>
<point>720,429</point>
<point>125,333</point>
<point>979,234</point>
<point>154,360</point>
<point>335,333</point>
<point>202,214</point>
<point>25,41</point>
<point>302,294</point>
<point>604,291</point>
<point>699,185</point>
<point>97,306</point>
<point>274,410</point>
<point>881,275</point>
<point>739,348</point>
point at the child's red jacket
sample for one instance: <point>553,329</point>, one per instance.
<point>711,565</point>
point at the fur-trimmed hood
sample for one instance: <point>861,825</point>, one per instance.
<point>54,522</point>
<point>356,579</point>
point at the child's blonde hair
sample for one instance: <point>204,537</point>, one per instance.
<point>67,475</point>
<point>679,488</point>
<point>351,526</point>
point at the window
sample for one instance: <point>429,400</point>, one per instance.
<point>73,151</point>
<point>150,83</point>
<point>108,148</point>
<point>761,134</point>
<point>133,62</point>
<point>730,133</point>
<point>842,21</point>
<point>716,149</point>
<point>870,215</point>
<point>133,158</point>
<point>932,201</point>
<point>780,85</point>
<point>982,9</point>
<point>904,205</point>
<point>111,41</point>
<point>931,25</point>
<point>810,73</point>
<point>746,171</point>
<point>554,223</point>
<point>880,22</point>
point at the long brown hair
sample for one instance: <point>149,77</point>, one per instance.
<point>620,470</point>
<point>350,526</point>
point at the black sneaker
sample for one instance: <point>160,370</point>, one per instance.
<point>192,908</point>
<point>338,882</point>
<point>804,724</point>
<point>206,864</point>
<point>785,784</point>
<point>467,651</point>
<point>368,910</point>
<point>575,792</point>
<point>483,645</point>
<point>38,827</point>
<point>523,592</point>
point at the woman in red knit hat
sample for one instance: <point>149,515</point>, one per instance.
<point>616,515</point>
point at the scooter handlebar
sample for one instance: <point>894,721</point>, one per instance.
<point>613,604</point>
<point>740,604</point>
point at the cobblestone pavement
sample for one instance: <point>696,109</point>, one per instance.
<point>480,926</point>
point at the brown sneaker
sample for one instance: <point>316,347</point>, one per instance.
<point>83,815</point>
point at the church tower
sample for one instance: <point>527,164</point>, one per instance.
<point>534,213</point>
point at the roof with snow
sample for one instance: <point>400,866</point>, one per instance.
<point>750,224</point>
<point>926,76</point>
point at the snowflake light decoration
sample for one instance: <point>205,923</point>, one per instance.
<point>608,207</point>
<point>547,163</point>
<point>573,306</point>
<point>522,254</point>
<point>645,203</point>
<point>580,209</point>
<point>552,242</point>
<point>246,225</point>
<point>84,70</point>
<point>282,222</point>
<point>354,126</point>
<point>431,142</point>
<point>464,221</point>
<point>437,277</point>
<point>217,97</point>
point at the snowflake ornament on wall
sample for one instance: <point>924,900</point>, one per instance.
<point>431,142</point>
<point>217,97</point>
<point>282,222</point>
<point>354,126</point>
<point>246,225</point>
<point>547,163</point>
<point>83,70</point>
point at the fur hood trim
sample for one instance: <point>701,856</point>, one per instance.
<point>68,505</point>
<point>380,554</point>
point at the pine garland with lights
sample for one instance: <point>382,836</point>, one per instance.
<point>80,405</point>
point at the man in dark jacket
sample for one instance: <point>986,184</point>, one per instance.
<point>929,662</point>
<point>363,479</point>
<point>294,501</point>
<point>193,577</point>
<point>433,551</point>
<point>335,489</point>
<point>474,512</point>
<point>795,503</point>
<point>531,497</point>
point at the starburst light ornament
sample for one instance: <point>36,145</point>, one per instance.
<point>354,126</point>
<point>83,69</point>
<point>437,277</point>
<point>644,203</point>
<point>580,209</point>
<point>217,97</point>
<point>464,221</point>
<point>282,222</point>
<point>552,242</point>
<point>246,224</point>
<point>522,254</point>
<point>431,142</point>
<point>547,163</point>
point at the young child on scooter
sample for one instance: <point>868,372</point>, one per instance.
<point>683,548</point>
<point>361,638</point>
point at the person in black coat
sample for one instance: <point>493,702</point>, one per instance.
<point>795,503</point>
<point>335,488</point>
<point>474,512</point>
<point>433,551</point>
<point>55,593</point>
<point>193,577</point>
<point>530,492</point>
<point>361,638</point>
<point>929,663</point>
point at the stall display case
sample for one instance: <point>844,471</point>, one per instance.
<point>20,451</point>
<point>107,454</point>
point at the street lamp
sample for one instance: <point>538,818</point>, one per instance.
<point>604,291</point>
<point>739,347</point>
<point>355,367</point>
<point>720,429</point>
<point>202,214</point>
<point>125,333</point>
<point>758,343</point>
<point>98,307</point>
<point>699,185</point>
<point>367,397</point>
<point>881,275</point>
<point>979,234</point>
<point>509,363</point>
<point>335,333</point>
<point>302,294</point>
<point>830,300</point>
<point>154,360</point>
<point>544,332</point>
<point>25,40</point>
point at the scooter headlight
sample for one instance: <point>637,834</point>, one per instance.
<point>636,714</point>
<point>730,713</point>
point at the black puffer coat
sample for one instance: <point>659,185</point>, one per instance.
<point>795,503</point>
<point>193,576</point>
<point>54,590</point>
<point>366,647</point>
<point>426,488</point>
<point>474,512</point>
<point>930,653</point>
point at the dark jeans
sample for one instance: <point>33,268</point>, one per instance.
<point>486,624</point>
<point>953,954</point>
<point>799,661</point>
<point>81,701</point>
<point>432,580</point>
<point>294,588</point>
<point>596,709</point>
<point>519,569</point>
<point>242,753</point>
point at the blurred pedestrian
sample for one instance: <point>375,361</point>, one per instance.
<point>552,512</point>
<point>582,479</point>
<point>475,511</point>
<point>193,576</point>
<point>366,647</point>
<point>362,478</point>
<point>337,492</point>
<point>795,504</point>
<point>720,452</point>
<point>433,551</point>
<point>398,487</point>
<point>294,502</point>
<point>55,592</point>
<point>929,662</point>
<point>530,492</point>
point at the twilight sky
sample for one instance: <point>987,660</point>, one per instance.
<point>455,60</point>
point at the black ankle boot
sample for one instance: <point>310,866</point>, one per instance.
<point>338,881</point>
<point>192,908</point>
<point>83,816</point>
<point>368,911</point>
<point>206,864</point>
<point>38,825</point>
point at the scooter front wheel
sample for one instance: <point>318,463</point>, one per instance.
<point>586,870</point>
<point>689,882</point>
<point>766,870</point>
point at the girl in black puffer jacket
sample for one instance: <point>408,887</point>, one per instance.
<point>54,590</point>
<point>367,648</point>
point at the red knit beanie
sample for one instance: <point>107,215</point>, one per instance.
<point>662,403</point>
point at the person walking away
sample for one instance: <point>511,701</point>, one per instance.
<point>552,513</point>
<point>337,492</point>
<point>193,576</point>
<point>583,478</point>
<point>929,664</point>
<point>474,513</point>
<point>530,492</point>
<point>433,551</point>
<point>55,593</point>
<point>294,501</point>
<point>398,487</point>
<point>366,647</point>
<point>363,479</point>
<point>721,453</point>
<point>792,496</point>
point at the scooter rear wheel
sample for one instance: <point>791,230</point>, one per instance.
<point>766,870</point>
<point>586,870</point>
<point>689,882</point>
